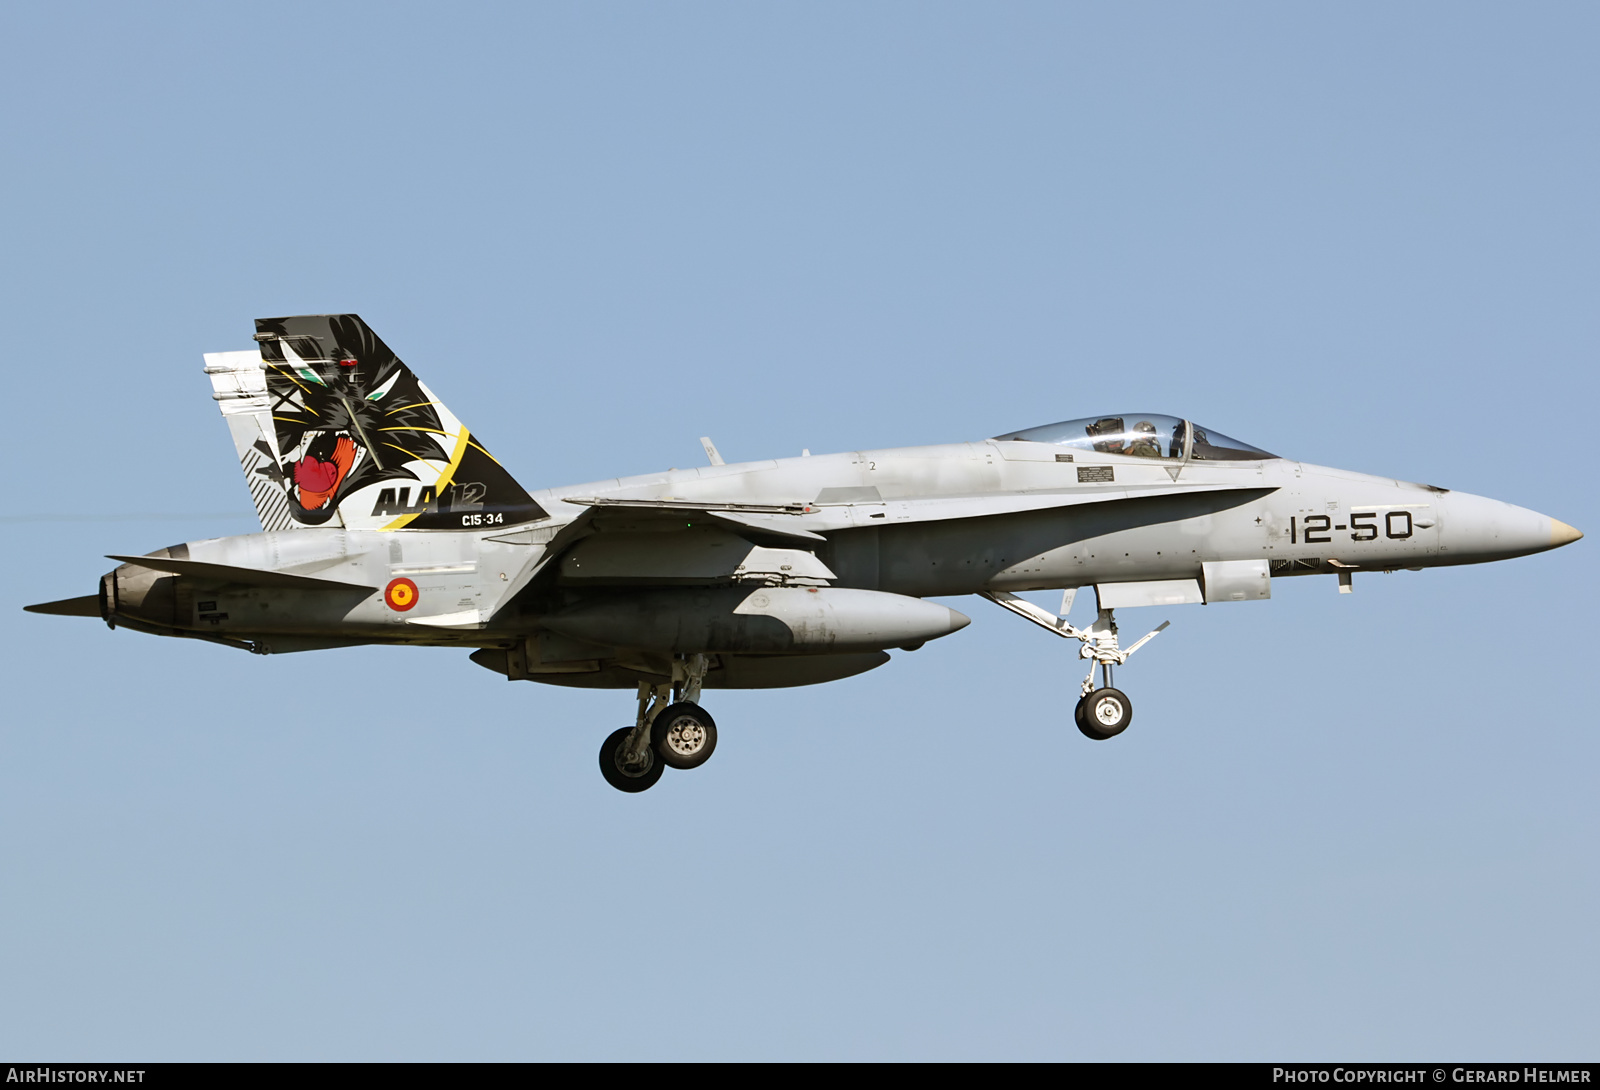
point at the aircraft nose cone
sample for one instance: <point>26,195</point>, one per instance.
<point>1478,528</point>
<point>958,621</point>
<point>1562,534</point>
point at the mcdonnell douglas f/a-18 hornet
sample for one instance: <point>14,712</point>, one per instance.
<point>385,520</point>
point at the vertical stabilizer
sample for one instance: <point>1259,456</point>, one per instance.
<point>332,429</point>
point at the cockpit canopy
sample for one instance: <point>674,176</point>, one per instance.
<point>1142,435</point>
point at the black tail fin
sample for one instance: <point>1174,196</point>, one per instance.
<point>342,433</point>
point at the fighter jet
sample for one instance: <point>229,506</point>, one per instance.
<point>385,520</point>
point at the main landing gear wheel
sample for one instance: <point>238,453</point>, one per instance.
<point>1104,713</point>
<point>623,777</point>
<point>684,735</point>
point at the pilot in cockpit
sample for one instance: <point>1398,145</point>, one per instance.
<point>1144,442</point>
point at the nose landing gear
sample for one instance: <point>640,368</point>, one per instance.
<point>671,731</point>
<point>1102,712</point>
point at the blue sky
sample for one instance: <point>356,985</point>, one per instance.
<point>1357,235</point>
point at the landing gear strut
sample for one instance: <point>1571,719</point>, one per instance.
<point>1102,712</point>
<point>671,730</point>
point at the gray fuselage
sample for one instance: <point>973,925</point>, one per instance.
<point>917,522</point>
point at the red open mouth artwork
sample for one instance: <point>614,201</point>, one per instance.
<point>318,480</point>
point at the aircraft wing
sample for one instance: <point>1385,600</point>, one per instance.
<point>774,521</point>
<point>798,525</point>
<point>767,518</point>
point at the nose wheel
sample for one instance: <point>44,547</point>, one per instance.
<point>1102,712</point>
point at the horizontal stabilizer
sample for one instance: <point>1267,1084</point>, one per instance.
<point>87,606</point>
<point>227,573</point>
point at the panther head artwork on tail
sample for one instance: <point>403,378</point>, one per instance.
<point>341,432</point>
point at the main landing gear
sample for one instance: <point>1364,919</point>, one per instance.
<point>1102,712</point>
<point>671,731</point>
